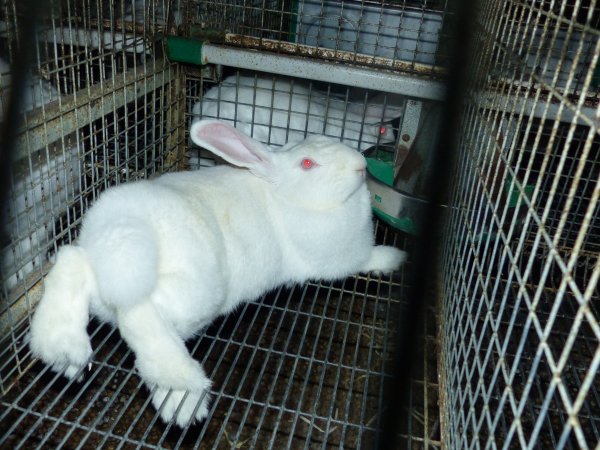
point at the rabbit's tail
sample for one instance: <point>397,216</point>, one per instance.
<point>124,256</point>
<point>58,328</point>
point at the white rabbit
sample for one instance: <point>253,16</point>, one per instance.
<point>163,258</point>
<point>278,111</point>
<point>38,197</point>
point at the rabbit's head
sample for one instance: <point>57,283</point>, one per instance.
<point>318,173</point>
<point>377,117</point>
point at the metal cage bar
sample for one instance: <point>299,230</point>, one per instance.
<point>304,366</point>
<point>520,274</point>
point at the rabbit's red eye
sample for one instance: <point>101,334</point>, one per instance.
<point>382,130</point>
<point>307,163</point>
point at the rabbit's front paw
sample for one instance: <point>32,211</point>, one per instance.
<point>385,259</point>
<point>189,411</point>
<point>67,350</point>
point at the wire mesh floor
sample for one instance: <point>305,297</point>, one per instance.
<point>304,367</point>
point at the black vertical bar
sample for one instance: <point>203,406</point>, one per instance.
<point>462,16</point>
<point>28,12</point>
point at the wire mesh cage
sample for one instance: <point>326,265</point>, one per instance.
<point>303,366</point>
<point>520,337</point>
<point>515,334</point>
<point>410,36</point>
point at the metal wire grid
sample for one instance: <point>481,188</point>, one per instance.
<point>521,338</point>
<point>256,18</point>
<point>304,367</point>
<point>549,45</point>
<point>411,35</point>
<point>568,144</point>
<point>118,106</point>
<point>101,113</point>
<point>279,109</point>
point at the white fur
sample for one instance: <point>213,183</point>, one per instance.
<point>166,257</point>
<point>58,328</point>
<point>276,111</point>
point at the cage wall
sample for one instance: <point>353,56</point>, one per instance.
<point>520,335</point>
<point>302,367</point>
<point>95,100</point>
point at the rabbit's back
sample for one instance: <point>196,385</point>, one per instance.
<point>277,111</point>
<point>243,213</point>
<point>211,224</point>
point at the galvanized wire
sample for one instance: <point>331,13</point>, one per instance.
<point>303,367</point>
<point>308,340</point>
<point>520,328</point>
<point>411,35</point>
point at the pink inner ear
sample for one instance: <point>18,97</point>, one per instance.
<point>230,142</point>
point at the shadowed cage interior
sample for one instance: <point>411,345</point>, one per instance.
<point>509,349</point>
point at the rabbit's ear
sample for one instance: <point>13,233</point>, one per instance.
<point>232,145</point>
<point>377,110</point>
<point>385,114</point>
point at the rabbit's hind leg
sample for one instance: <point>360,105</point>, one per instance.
<point>58,333</point>
<point>181,388</point>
